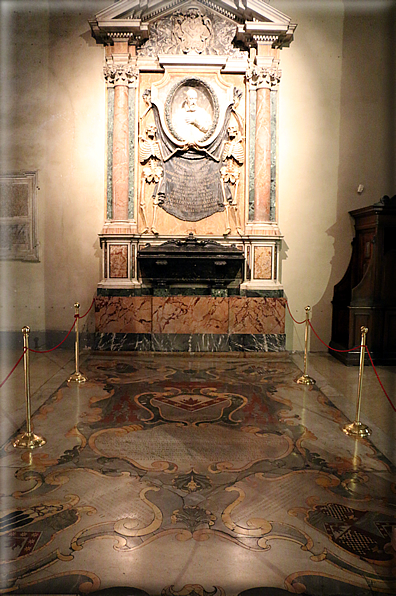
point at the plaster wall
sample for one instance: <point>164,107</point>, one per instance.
<point>335,132</point>
<point>24,74</point>
<point>53,121</point>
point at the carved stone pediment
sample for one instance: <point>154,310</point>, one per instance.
<point>252,22</point>
<point>191,30</point>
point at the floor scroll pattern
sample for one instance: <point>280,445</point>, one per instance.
<point>162,471</point>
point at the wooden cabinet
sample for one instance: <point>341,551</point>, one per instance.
<point>366,295</point>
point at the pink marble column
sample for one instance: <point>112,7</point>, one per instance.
<point>262,161</point>
<point>120,152</point>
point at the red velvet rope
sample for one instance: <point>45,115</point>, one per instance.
<point>330,348</point>
<point>310,324</point>
<point>63,340</point>
<point>369,355</point>
<point>92,303</point>
<point>52,349</point>
<point>379,380</point>
<point>14,367</point>
<point>298,322</point>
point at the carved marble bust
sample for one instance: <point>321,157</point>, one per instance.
<point>192,110</point>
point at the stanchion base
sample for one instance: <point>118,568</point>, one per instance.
<point>305,380</point>
<point>77,377</point>
<point>357,429</point>
<point>29,441</point>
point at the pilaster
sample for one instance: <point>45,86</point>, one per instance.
<point>263,74</point>
<point>121,75</point>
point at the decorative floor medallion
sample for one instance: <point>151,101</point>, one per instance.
<point>197,399</point>
<point>195,477</point>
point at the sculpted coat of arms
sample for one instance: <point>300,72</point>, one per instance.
<point>192,31</point>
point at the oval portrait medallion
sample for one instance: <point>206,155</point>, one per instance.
<point>192,110</point>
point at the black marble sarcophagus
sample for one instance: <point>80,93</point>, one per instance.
<point>190,261</point>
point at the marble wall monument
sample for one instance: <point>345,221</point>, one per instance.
<point>192,100</point>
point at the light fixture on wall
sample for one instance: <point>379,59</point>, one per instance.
<point>360,189</point>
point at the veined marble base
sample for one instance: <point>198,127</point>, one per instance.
<point>181,342</point>
<point>190,323</point>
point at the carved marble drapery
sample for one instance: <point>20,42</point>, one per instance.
<point>262,80</point>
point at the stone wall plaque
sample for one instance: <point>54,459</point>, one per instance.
<point>192,189</point>
<point>18,217</point>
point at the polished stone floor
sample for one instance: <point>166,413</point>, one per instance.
<point>188,475</point>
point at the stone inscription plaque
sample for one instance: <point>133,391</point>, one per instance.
<point>14,199</point>
<point>18,217</point>
<point>192,188</point>
<point>200,447</point>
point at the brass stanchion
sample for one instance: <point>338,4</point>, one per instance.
<point>357,428</point>
<point>77,377</point>
<point>305,379</point>
<point>28,440</point>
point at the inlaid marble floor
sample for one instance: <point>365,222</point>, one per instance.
<point>198,475</point>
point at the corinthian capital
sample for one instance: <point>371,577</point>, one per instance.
<point>263,77</point>
<point>120,74</point>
